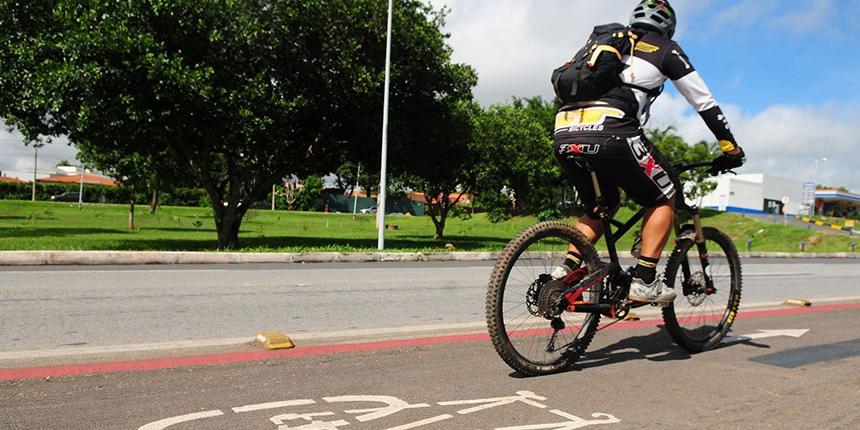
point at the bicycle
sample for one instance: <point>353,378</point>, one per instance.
<point>539,325</point>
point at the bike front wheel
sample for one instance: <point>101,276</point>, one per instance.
<point>528,339</point>
<point>707,281</point>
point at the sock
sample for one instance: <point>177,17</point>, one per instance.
<point>646,270</point>
<point>573,260</point>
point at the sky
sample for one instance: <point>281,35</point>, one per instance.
<point>784,71</point>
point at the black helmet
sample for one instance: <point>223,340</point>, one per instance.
<point>655,14</point>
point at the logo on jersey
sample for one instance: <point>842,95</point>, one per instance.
<point>649,165</point>
<point>588,119</point>
<point>646,47</point>
<point>682,58</point>
<point>587,149</point>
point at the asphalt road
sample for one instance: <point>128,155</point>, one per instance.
<point>632,377</point>
<point>69,310</point>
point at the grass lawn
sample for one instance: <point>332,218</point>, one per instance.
<point>61,226</point>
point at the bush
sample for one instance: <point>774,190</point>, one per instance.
<point>462,212</point>
<point>103,194</point>
<point>309,198</point>
<point>498,206</point>
<point>550,215</point>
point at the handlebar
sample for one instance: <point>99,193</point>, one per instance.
<point>687,167</point>
<point>681,168</point>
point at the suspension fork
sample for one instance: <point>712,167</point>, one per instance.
<point>699,240</point>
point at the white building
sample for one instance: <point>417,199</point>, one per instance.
<point>756,193</point>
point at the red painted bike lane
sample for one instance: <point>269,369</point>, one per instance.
<point>321,350</point>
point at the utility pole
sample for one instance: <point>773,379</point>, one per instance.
<point>383,183</point>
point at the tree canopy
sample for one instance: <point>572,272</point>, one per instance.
<point>240,93</point>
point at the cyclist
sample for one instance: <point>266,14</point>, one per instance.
<point>608,133</point>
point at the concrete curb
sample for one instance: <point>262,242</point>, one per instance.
<point>84,258</point>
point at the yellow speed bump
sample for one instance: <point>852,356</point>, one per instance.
<point>797,302</point>
<point>274,340</point>
<point>632,316</point>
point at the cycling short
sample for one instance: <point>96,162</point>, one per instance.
<point>630,163</point>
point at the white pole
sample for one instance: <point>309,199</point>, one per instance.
<point>355,191</point>
<point>274,190</point>
<point>35,169</point>
<point>81,192</point>
<point>380,206</point>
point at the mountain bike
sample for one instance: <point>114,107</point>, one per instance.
<point>540,325</point>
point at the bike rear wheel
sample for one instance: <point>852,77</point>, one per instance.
<point>702,314</point>
<point>524,337</point>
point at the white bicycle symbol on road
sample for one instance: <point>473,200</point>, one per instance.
<point>317,420</point>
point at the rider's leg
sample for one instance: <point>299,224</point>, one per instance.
<point>592,228</point>
<point>655,232</point>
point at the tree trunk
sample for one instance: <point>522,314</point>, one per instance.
<point>440,228</point>
<point>131,213</point>
<point>228,229</point>
<point>440,206</point>
<point>153,204</point>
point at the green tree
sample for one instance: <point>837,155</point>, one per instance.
<point>443,160</point>
<point>308,198</point>
<point>515,154</point>
<point>697,183</point>
<point>241,93</point>
<point>540,109</point>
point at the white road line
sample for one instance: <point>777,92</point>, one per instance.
<point>273,405</point>
<point>422,423</point>
<point>167,422</point>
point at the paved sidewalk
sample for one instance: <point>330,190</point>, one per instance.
<point>43,258</point>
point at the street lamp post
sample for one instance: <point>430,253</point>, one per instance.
<point>355,191</point>
<point>81,192</point>
<point>35,169</point>
<point>380,206</point>
<point>816,179</point>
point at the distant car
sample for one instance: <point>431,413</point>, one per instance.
<point>370,210</point>
<point>68,196</point>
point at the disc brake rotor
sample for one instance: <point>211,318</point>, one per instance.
<point>698,289</point>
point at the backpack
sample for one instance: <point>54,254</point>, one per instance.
<point>597,67</point>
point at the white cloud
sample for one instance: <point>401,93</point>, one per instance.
<point>16,158</point>
<point>815,15</point>
<point>745,13</point>
<point>515,44</point>
<point>782,140</point>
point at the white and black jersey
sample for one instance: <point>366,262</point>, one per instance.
<point>654,60</point>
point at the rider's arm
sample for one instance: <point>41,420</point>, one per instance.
<point>690,84</point>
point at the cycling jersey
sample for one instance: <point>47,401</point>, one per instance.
<point>621,112</point>
<point>607,132</point>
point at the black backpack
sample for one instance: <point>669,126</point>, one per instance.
<point>597,67</point>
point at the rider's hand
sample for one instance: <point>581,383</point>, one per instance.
<point>728,161</point>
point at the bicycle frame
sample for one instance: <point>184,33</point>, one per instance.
<point>613,270</point>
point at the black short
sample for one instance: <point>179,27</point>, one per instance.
<point>630,163</point>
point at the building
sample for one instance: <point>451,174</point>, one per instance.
<point>71,175</point>
<point>838,203</point>
<point>4,178</point>
<point>756,193</point>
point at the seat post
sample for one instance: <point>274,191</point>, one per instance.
<point>596,182</point>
